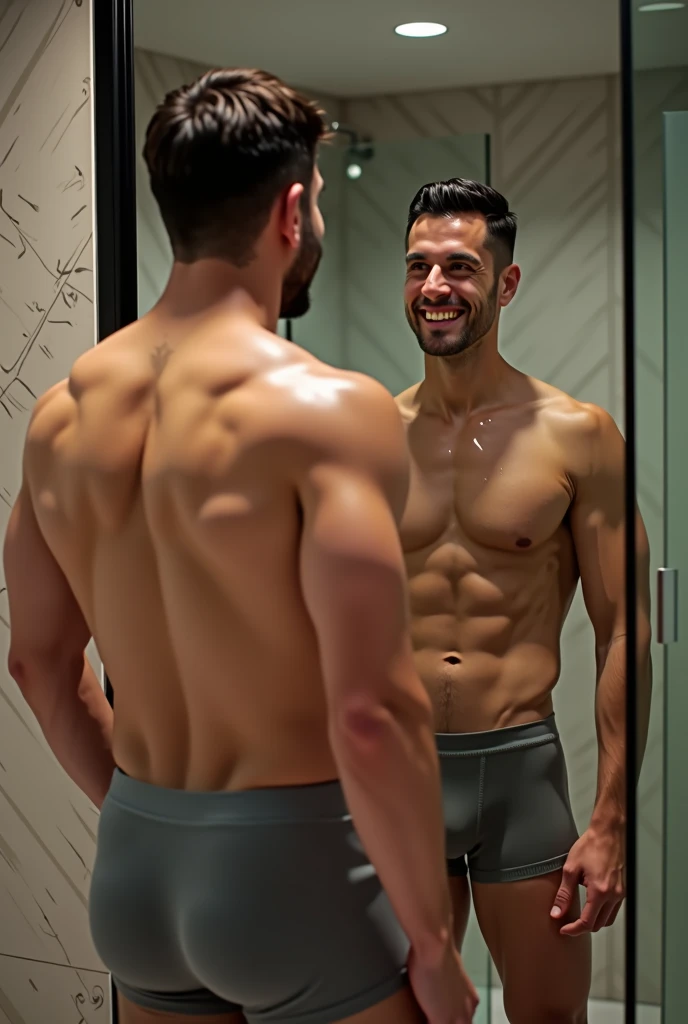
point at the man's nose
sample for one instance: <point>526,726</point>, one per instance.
<point>435,285</point>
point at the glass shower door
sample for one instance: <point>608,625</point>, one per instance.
<point>656,92</point>
<point>674,592</point>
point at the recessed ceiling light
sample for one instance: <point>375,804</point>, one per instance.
<point>650,8</point>
<point>421,29</point>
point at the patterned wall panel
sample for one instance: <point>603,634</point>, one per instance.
<point>48,968</point>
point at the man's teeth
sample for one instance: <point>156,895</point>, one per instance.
<point>429,315</point>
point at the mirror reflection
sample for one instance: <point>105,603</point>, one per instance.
<point>494,318</point>
<point>501,338</point>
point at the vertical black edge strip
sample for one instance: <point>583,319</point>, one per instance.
<point>115,184</point>
<point>115,169</point>
<point>628,205</point>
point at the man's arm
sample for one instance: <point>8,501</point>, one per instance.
<point>47,656</point>
<point>598,525</point>
<point>352,493</point>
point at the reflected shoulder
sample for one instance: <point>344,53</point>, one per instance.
<point>591,440</point>
<point>407,403</point>
<point>572,419</point>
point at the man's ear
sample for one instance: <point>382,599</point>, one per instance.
<point>291,219</point>
<point>510,281</point>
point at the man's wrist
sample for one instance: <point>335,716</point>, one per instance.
<point>431,951</point>
<point>608,818</point>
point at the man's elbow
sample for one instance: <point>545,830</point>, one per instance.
<point>365,719</point>
<point>18,666</point>
<point>37,674</point>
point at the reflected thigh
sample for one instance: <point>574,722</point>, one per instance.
<point>461,907</point>
<point>546,976</point>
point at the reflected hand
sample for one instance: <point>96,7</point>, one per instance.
<point>596,861</point>
<point>444,991</point>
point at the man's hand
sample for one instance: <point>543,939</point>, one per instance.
<point>444,991</point>
<point>596,861</point>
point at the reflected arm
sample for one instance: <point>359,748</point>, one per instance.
<point>598,523</point>
<point>47,656</point>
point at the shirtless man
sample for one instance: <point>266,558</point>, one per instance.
<point>206,501</point>
<point>516,493</point>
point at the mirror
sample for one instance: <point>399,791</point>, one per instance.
<point>517,485</point>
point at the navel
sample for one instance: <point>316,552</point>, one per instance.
<point>452,659</point>
<point>523,542</point>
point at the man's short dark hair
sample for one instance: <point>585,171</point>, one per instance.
<point>455,196</point>
<point>220,151</point>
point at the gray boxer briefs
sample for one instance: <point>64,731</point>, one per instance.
<point>506,802</point>
<point>260,901</point>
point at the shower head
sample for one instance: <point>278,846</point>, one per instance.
<point>341,129</point>
<point>359,151</point>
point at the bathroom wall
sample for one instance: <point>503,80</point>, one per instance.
<point>49,971</point>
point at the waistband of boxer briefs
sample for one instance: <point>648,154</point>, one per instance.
<point>497,741</point>
<point>288,804</point>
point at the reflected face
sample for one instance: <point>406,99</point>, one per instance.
<point>296,299</point>
<point>451,290</point>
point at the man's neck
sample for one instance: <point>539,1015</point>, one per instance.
<point>197,289</point>
<point>459,385</point>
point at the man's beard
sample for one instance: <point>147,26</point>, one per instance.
<point>469,331</point>
<point>296,299</point>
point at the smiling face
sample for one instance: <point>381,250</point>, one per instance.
<point>452,290</point>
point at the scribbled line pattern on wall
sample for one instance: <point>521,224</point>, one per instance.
<point>49,970</point>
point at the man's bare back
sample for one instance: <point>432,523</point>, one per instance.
<point>487,536</point>
<point>206,501</point>
<point>178,532</point>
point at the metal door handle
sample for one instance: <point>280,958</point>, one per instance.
<point>667,606</point>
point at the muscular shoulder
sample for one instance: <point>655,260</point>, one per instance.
<point>587,434</point>
<point>320,415</point>
<point>52,412</point>
<point>332,413</point>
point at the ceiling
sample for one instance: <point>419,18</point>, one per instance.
<point>348,48</point>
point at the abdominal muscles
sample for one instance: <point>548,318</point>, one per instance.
<point>486,632</point>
